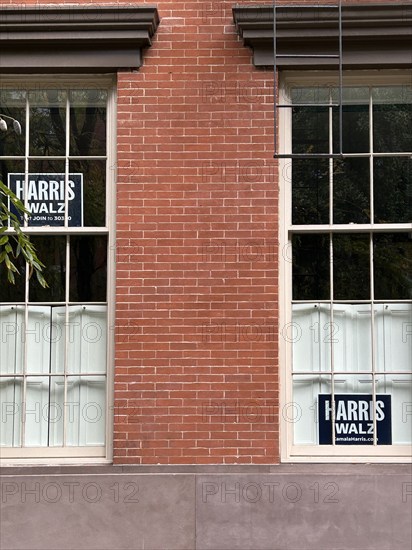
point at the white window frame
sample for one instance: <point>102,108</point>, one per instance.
<point>318,453</point>
<point>10,456</point>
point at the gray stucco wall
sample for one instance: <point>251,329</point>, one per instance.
<point>285,507</point>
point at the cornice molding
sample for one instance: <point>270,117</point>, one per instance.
<point>75,38</point>
<point>373,34</point>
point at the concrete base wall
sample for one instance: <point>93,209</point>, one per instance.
<point>285,507</point>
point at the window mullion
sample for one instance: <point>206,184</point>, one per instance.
<point>67,277</point>
<point>26,282</point>
<point>372,220</point>
<point>66,338</point>
<point>373,342</point>
<point>67,168</point>
<point>371,158</point>
<point>26,159</point>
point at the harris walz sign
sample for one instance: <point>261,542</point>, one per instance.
<point>46,198</point>
<point>354,419</point>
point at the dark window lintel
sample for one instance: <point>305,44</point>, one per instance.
<point>75,38</point>
<point>373,34</point>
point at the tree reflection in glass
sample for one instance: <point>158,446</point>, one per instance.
<point>47,122</point>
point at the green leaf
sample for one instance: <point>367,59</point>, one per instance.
<point>17,242</point>
<point>11,278</point>
<point>41,280</point>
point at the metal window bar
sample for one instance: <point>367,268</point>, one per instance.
<point>339,104</point>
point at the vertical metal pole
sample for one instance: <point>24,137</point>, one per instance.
<point>332,290</point>
<point>373,341</point>
<point>275,90</point>
<point>340,80</point>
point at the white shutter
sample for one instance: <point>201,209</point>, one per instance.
<point>303,412</point>
<point>87,399</point>
<point>353,336</point>
<point>11,362</point>
<point>58,338</point>
<point>11,327</point>
<point>86,396</point>
<point>400,387</point>
<point>36,412</point>
<point>88,339</point>
<point>56,411</point>
<point>397,321</point>
<point>11,413</point>
<point>38,336</point>
<point>94,339</point>
<point>310,333</point>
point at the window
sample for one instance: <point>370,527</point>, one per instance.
<point>346,267</point>
<point>55,342</point>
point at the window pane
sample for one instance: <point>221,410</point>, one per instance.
<point>394,337</point>
<point>399,386</point>
<point>306,390</point>
<point>47,122</point>
<point>392,116</point>
<point>310,130</point>
<point>94,190</point>
<point>86,398</point>
<point>392,190</point>
<point>88,268</point>
<point>352,337</point>
<point>393,266</point>
<point>310,191</point>
<point>355,129</point>
<point>316,94</point>
<point>351,191</point>
<point>52,251</point>
<point>45,339</point>
<point>13,104</point>
<point>12,292</point>
<point>11,397</point>
<point>38,337</point>
<point>88,339</point>
<point>353,383</point>
<point>88,122</point>
<point>11,350</point>
<point>46,166</point>
<point>311,267</point>
<point>44,411</point>
<point>54,413</point>
<point>10,167</point>
<point>351,267</point>
<point>311,337</point>
<point>352,95</point>
<point>46,194</point>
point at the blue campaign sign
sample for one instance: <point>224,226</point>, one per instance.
<point>46,198</point>
<point>354,419</point>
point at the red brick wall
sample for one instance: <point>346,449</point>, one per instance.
<point>197,383</point>
<point>196,368</point>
